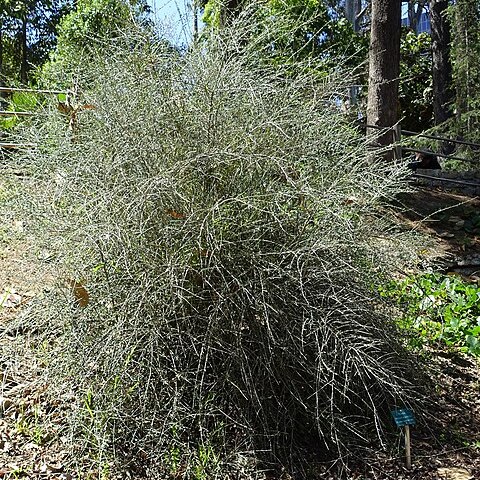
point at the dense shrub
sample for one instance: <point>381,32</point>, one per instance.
<point>227,223</point>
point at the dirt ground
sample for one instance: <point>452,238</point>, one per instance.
<point>452,220</point>
<point>33,435</point>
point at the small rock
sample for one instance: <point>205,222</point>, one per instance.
<point>45,256</point>
<point>446,235</point>
<point>19,226</point>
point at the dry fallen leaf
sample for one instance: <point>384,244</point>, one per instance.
<point>64,108</point>
<point>49,468</point>
<point>350,200</point>
<point>5,404</point>
<point>80,293</point>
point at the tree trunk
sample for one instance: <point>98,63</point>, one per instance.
<point>414,15</point>
<point>353,9</point>
<point>2,95</point>
<point>1,51</point>
<point>24,62</point>
<point>384,67</point>
<point>441,66</point>
<point>195,20</point>
<point>466,54</point>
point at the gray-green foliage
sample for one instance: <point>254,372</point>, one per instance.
<point>227,223</point>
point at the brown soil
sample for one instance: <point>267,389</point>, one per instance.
<point>33,435</point>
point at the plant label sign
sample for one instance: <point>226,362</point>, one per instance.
<point>403,417</point>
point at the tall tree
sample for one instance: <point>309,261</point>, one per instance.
<point>24,45</point>
<point>1,50</point>
<point>28,33</point>
<point>414,11</point>
<point>81,32</point>
<point>384,66</point>
<point>466,52</point>
<point>415,86</point>
<point>443,94</point>
<point>289,32</point>
<point>353,13</point>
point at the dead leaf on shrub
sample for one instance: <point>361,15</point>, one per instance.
<point>64,108</point>
<point>350,200</point>
<point>79,292</point>
<point>174,214</point>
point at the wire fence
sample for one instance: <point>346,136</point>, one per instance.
<point>398,133</point>
<point>471,183</point>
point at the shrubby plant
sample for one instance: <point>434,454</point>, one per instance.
<point>227,224</point>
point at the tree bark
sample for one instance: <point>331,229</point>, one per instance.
<point>443,94</point>
<point>384,67</point>
<point>352,13</point>
<point>1,51</point>
<point>414,15</point>
<point>466,64</point>
<point>2,95</point>
<point>24,62</point>
<point>195,20</point>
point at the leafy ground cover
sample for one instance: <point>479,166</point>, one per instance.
<point>439,309</point>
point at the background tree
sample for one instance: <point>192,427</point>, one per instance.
<point>296,31</point>
<point>443,93</point>
<point>415,8</point>
<point>415,86</point>
<point>28,31</point>
<point>466,57</point>
<point>384,61</point>
<point>79,33</point>
<point>354,12</point>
